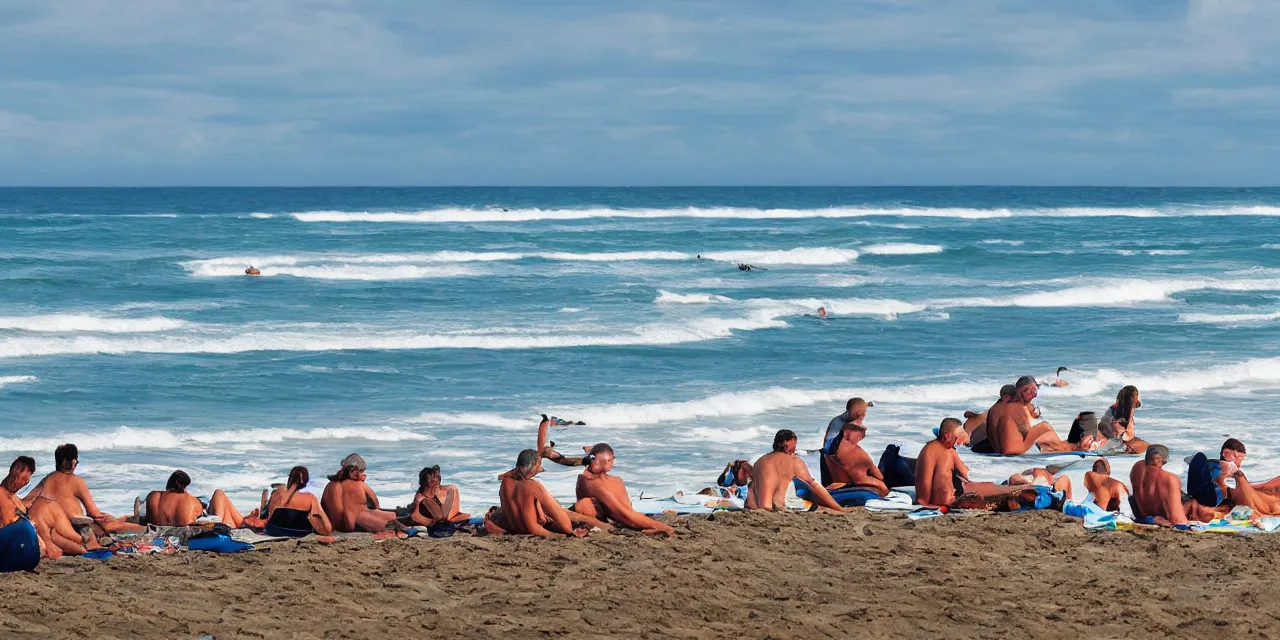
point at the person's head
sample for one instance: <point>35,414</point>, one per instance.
<point>1126,401</point>
<point>736,473</point>
<point>429,478</point>
<point>1233,451</point>
<point>178,481</point>
<point>1102,466</point>
<point>1025,389</point>
<point>857,408</point>
<point>853,432</point>
<point>1157,455</point>
<point>527,463</point>
<point>65,457</point>
<point>949,431</point>
<point>353,468</point>
<point>298,477</point>
<point>784,441</point>
<point>1058,373</point>
<point>599,458</point>
<point>1007,392</point>
<point>20,473</point>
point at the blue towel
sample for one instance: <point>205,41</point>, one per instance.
<point>97,554</point>
<point>844,496</point>
<point>218,543</point>
<point>19,546</point>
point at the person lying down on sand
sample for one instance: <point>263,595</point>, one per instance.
<point>1041,477</point>
<point>775,472</point>
<point>526,507</point>
<point>174,507</point>
<point>351,504</point>
<point>603,496</point>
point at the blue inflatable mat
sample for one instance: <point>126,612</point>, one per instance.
<point>19,546</point>
<point>844,496</point>
<point>218,543</point>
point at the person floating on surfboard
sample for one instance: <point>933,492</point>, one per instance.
<point>250,271</point>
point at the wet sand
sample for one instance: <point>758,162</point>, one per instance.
<point>751,575</point>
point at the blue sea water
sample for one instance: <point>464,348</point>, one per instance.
<point>430,326</point>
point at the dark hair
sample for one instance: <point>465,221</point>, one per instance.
<point>425,476</point>
<point>1025,381</point>
<point>1102,466</point>
<point>298,477</point>
<point>178,481</point>
<point>1007,391</point>
<point>527,459</point>
<point>23,462</point>
<point>781,438</point>
<point>947,426</point>
<point>1233,445</point>
<point>65,456</point>
<point>1125,401</point>
<point>596,449</point>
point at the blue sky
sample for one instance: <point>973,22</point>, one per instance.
<point>313,92</point>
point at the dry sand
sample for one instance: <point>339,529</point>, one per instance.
<point>742,575</point>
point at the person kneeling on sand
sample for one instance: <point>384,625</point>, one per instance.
<point>72,494</point>
<point>603,496</point>
<point>941,476</point>
<point>775,472</point>
<point>435,502</point>
<point>527,508</point>
<point>351,504</point>
<point>1157,494</point>
<point>174,507</point>
<point>849,464</point>
<point>1107,492</point>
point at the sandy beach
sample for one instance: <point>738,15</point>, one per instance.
<point>753,575</point>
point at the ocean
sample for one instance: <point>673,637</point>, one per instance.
<point>422,326</point>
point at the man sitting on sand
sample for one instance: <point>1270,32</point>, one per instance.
<point>1009,427</point>
<point>350,504</point>
<point>975,424</point>
<point>941,476</point>
<point>72,494</point>
<point>849,464</point>
<point>1107,492</point>
<point>174,507</point>
<point>855,410</point>
<point>526,507</point>
<point>547,448</point>
<point>603,496</point>
<point>1157,494</point>
<point>775,472</point>
<point>13,512</point>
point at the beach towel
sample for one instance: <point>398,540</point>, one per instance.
<point>19,546</point>
<point>217,542</point>
<point>844,496</point>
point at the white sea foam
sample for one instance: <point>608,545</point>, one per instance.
<point>329,271</point>
<point>136,438</point>
<point>667,297</point>
<point>8,380</point>
<point>476,420</point>
<point>900,249</point>
<point>745,434</point>
<point>1011,243</point>
<point>881,307</point>
<point>70,322</point>
<point>1117,292</point>
<point>263,216</point>
<point>815,256</point>
<point>1229,318</point>
<point>526,215</point>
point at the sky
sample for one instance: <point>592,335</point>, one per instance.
<point>689,92</point>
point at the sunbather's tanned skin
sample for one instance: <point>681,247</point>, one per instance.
<point>435,502</point>
<point>851,465</point>
<point>1158,494</point>
<point>1245,494</point>
<point>545,446</point>
<point>351,504</point>
<point>12,507</point>
<point>527,508</point>
<point>174,507</point>
<point>1107,491</point>
<point>938,464</point>
<point>1041,476</point>
<point>603,496</point>
<point>975,424</point>
<point>1010,430</point>
<point>774,472</point>
<point>292,496</point>
<point>72,494</point>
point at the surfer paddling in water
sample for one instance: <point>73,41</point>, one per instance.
<point>250,271</point>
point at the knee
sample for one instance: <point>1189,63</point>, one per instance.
<point>586,507</point>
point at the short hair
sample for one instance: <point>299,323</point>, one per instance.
<point>1025,381</point>
<point>299,476</point>
<point>596,449</point>
<point>948,425</point>
<point>782,437</point>
<point>1102,466</point>
<point>527,459</point>
<point>23,462</point>
<point>64,456</point>
<point>853,425</point>
<point>1007,391</point>
<point>178,481</point>
<point>1156,450</point>
<point>1233,445</point>
<point>856,406</point>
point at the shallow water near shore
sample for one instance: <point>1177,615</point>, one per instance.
<point>431,326</point>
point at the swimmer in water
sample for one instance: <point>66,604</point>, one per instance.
<point>822,313</point>
<point>252,272</point>
<point>742,266</point>
<point>1057,380</point>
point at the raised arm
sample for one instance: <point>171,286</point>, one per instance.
<point>819,492</point>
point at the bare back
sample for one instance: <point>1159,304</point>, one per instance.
<point>1156,493</point>
<point>65,489</point>
<point>934,469</point>
<point>10,507</point>
<point>771,476</point>
<point>1107,491</point>
<point>173,508</point>
<point>344,501</point>
<point>524,505</point>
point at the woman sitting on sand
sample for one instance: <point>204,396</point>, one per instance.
<point>1118,421</point>
<point>292,512</point>
<point>435,502</point>
<point>174,507</point>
